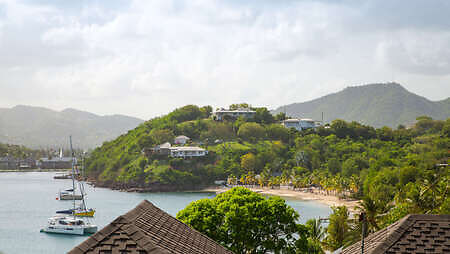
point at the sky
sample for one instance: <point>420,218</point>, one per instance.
<point>146,58</point>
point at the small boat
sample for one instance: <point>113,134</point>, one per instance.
<point>67,176</point>
<point>69,195</point>
<point>69,225</point>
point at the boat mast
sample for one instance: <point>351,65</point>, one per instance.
<point>73,175</point>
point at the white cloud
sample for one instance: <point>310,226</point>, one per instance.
<point>144,58</point>
<point>418,52</point>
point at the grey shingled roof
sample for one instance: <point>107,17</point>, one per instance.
<point>148,230</point>
<point>416,233</point>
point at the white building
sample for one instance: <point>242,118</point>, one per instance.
<point>244,112</point>
<point>299,124</point>
<point>187,151</point>
<point>181,140</point>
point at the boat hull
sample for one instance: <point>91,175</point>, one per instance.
<point>91,229</point>
<point>70,197</point>
<point>64,230</point>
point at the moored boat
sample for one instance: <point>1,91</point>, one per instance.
<point>68,225</point>
<point>69,195</point>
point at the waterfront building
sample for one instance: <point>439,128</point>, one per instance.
<point>8,162</point>
<point>148,229</point>
<point>55,163</point>
<point>27,163</point>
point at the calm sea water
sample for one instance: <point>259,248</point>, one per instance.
<point>28,199</point>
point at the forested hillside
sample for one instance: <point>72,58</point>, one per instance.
<point>376,105</point>
<point>382,166</point>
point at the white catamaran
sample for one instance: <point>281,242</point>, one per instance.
<point>71,224</point>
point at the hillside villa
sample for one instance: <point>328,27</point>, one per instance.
<point>219,115</point>
<point>187,151</point>
<point>299,124</point>
<point>176,151</point>
<point>163,149</point>
<point>181,140</point>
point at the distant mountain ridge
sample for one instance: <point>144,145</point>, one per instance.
<point>384,104</point>
<point>39,127</point>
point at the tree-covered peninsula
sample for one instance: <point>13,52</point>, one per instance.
<point>395,171</point>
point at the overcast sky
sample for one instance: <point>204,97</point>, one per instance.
<point>145,58</point>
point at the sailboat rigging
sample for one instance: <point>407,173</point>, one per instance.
<point>71,224</point>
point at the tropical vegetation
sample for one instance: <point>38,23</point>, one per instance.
<point>392,171</point>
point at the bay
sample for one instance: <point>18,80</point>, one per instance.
<point>29,199</point>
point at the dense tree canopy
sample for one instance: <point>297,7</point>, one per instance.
<point>247,222</point>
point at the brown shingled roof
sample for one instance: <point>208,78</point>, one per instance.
<point>416,233</point>
<point>148,230</point>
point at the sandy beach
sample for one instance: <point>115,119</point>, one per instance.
<point>329,200</point>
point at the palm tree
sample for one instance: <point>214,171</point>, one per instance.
<point>316,231</point>
<point>338,229</point>
<point>371,209</point>
<point>354,184</point>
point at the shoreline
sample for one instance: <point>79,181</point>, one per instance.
<point>33,170</point>
<point>328,200</point>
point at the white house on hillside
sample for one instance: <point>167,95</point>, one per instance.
<point>181,140</point>
<point>187,151</point>
<point>244,112</point>
<point>299,124</point>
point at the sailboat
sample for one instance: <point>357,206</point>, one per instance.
<point>69,195</point>
<point>70,224</point>
<point>81,210</point>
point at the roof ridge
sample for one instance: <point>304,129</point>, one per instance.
<point>134,225</point>
<point>395,232</point>
<point>147,205</point>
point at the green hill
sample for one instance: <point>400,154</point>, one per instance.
<point>375,105</point>
<point>405,166</point>
<point>41,127</point>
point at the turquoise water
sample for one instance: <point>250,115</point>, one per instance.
<point>28,199</point>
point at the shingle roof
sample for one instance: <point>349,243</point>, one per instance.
<point>148,230</point>
<point>414,233</point>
